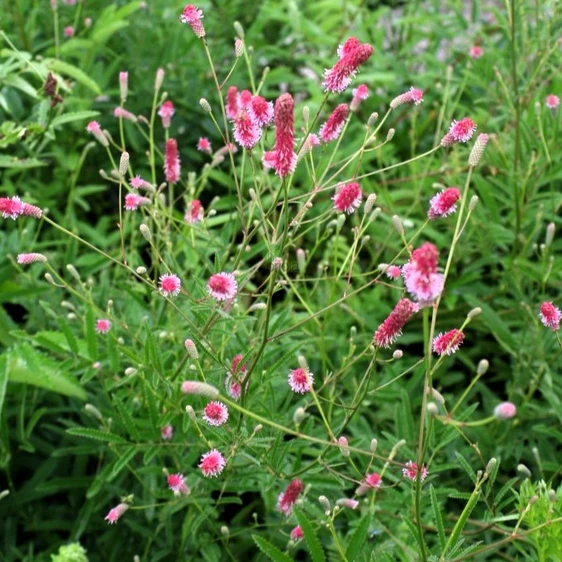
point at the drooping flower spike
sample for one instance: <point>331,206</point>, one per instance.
<point>448,343</point>
<point>353,54</point>
<point>388,332</point>
<point>192,16</point>
<point>333,127</point>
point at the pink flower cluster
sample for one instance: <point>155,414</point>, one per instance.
<point>347,198</point>
<point>192,16</point>
<point>14,207</point>
<point>444,203</point>
<point>420,274</point>
<point>391,328</point>
<point>459,131</point>
<point>352,54</point>
<point>301,380</point>
<point>411,471</point>
<point>448,343</point>
<point>413,95</point>
<point>550,316</point>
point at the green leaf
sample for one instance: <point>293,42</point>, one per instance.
<point>127,421</point>
<point>20,163</point>
<point>271,551</point>
<point>96,434</point>
<point>123,461</point>
<point>65,329</point>
<point>466,466</point>
<point>91,337</point>
<point>74,72</point>
<point>74,116</point>
<point>437,517</point>
<point>3,379</point>
<point>357,541</point>
<point>312,542</point>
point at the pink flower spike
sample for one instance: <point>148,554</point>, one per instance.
<point>94,128</point>
<point>138,183</point>
<point>261,111</point>
<point>288,498</point>
<point>123,85</point>
<point>172,166</point>
<point>391,328</point>
<point>550,316</point>
<point>244,99</point>
<point>246,132</point>
<point>133,201</point>
<point>348,198</point>
<point>347,502</point>
<point>505,411</point>
<point>333,127</point>
<point>236,367</point>
<point>115,514</point>
<point>301,381</point>
<point>413,95</point>
<point>31,211</point>
<point>124,114</point>
<point>11,207</point>
<point>476,52</point>
<point>463,130</point>
<point>199,389</point>
<point>296,533</point>
<point>283,158</point>
<point>166,112</point>
<point>167,432</point>
<point>373,480</point>
<point>448,343</point>
<point>353,54</point>
<point>192,16</point>
<point>361,93</point>
<point>222,286</point>
<point>552,101</point>
<point>103,326</point>
<point>212,463</point>
<point>393,272</point>
<point>215,413</point>
<point>410,471</point>
<point>26,259</point>
<point>170,285</point>
<point>68,31</point>
<point>350,44</point>
<point>194,212</point>
<point>232,103</point>
<point>204,145</point>
<point>444,203</point>
<point>420,274</point>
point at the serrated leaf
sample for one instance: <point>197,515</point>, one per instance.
<point>437,516</point>
<point>65,329</point>
<point>127,420</point>
<point>466,466</point>
<point>312,542</point>
<point>73,116</point>
<point>271,551</point>
<point>74,72</point>
<point>123,461</point>
<point>357,541</point>
<point>96,435</point>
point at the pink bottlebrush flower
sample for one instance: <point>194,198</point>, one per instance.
<point>232,103</point>
<point>30,211</point>
<point>448,343</point>
<point>476,51</point>
<point>269,159</point>
<point>413,95</point>
<point>115,514</point>
<point>410,471</point>
<point>447,140</point>
<point>94,128</point>
<point>204,145</point>
<point>283,158</point>
<point>244,99</point>
<point>172,162</point>
<point>391,328</point>
<point>192,16</point>
<point>296,533</point>
<point>353,54</point>
<point>333,127</point>
<point>11,207</point>
<point>246,132</point>
<point>301,380</point>
<point>444,203</point>
<point>103,326</point>
<point>347,198</point>
<point>222,286</point>
<point>552,101</point>
<point>69,2</point>
<point>124,114</point>
<point>233,387</point>
<point>167,432</point>
<point>166,112</point>
<point>176,483</point>
<point>26,259</point>
<point>393,272</point>
<point>68,31</point>
<point>200,389</point>
<point>550,316</point>
<point>347,502</point>
<point>123,85</point>
<point>360,94</point>
<point>194,212</point>
<point>288,498</point>
<point>505,411</point>
<point>261,111</point>
<point>170,285</point>
<point>463,130</point>
<point>373,480</point>
<point>350,44</point>
<point>420,274</point>
<point>212,463</point>
<point>138,183</point>
<point>309,143</point>
<point>133,201</point>
<point>215,413</point>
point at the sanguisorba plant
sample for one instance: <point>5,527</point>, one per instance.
<point>226,400</point>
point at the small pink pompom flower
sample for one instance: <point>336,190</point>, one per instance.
<point>172,162</point>
<point>505,411</point>
<point>68,31</point>
<point>212,463</point>
<point>373,480</point>
<point>11,207</point>
<point>138,183</point>
<point>261,111</point>
<point>204,145</point>
<point>192,16</point>
<point>246,131</point>
<point>26,259</point>
<point>301,380</point>
<point>393,272</point>
<point>333,127</point>
<point>167,432</point>
<point>103,326</point>
<point>550,316</point>
<point>170,285</point>
<point>194,212</point>
<point>361,93</point>
<point>215,413</point>
<point>288,498</point>
<point>410,471</point>
<point>444,203</point>
<point>463,130</point>
<point>448,343</point>
<point>166,112</point>
<point>115,514</point>
<point>348,198</point>
<point>552,101</point>
<point>391,328</point>
<point>476,51</point>
<point>352,54</point>
<point>133,201</point>
<point>176,483</point>
<point>222,286</point>
<point>296,533</point>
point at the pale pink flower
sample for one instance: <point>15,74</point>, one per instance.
<point>261,111</point>
<point>26,259</point>
<point>28,210</point>
<point>232,103</point>
<point>353,54</point>
<point>420,274</point>
<point>133,201</point>
<point>333,127</point>
<point>478,149</point>
<point>448,343</point>
<point>391,328</point>
<point>373,480</point>
<point>103,326</point>
<point>347,502</point>
<point>194,212</point>
<point>94,128</point>
<point>170,285</point>
<point>222,286</point>
<point>475,51</point>
<point>166,112</point>
<point>68,31</point>
<point>167,432</point>
<point>11,207</point>
<point>550,316</point>
<point>393,272</point>
<point>176,483</point>
<point>463,130</point>
<point>309,143</point>
<point>238,47</point>
<point>123,85</point>
<point>444,203</point>
<point>505,411</point>
<point>361,93</point>
<point>204,145</point>
<point>246,131</point>
<point>347,198</point>
<point>410,471</point>
<point>88,22</point>
<point>192,16</point>
<point>115,514</point>
<point>172,162</point>
<point>215,413</point>
<point>301,380</point>
<point>138,183</point>
<point>413,95</point>
<point>296,533</point>
<point>212,463</point>
<point>191,348</point>
<point>552,101</point>
<point>124,114</point>
<point>288,498</point>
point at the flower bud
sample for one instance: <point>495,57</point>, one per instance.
<point>199,388</point>
<point>301,261</point>
<point>490,466</point>
<point>374,215</point>
<point>432,408</point>
<point>372,119</point>
<point>397,222</point>
<point>325,503</point>
<point>551,496</point>
<point>369,203</point>
<point>474,313</point>
<point>123,85</point>
<point>191,349</point>
<point>145,231</point>
<point>191,413</point>
<point>344,446</point>
<point>374,445</point>
<point>390,135</point>
<point>159,79</point>
<point>306,113</point>
<point>478,150</point>
<point>303,363</point>
<point>299,416</point>
<point>238,47</point>
<point>205,106</point>
<point>550,229</point>
<point>129,371</point>
<point>472,203</point>
<point>4,493</point>
<point>93,411</point>
<point>398,354</point>
<point>483,366</point>
<point>352,332</point>
<point>524,471</point>
<point>239,29</point>
<point>224,531</point>
<point>141,270</point>
<point>124,163</point>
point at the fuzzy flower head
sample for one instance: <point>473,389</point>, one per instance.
<point>463,130</point>
<point>352,55</point>
<point>194,212</point>
<point>388,332</point>
<point>233,387</point>
<point>283,158</point>
<point>288,498</point>
<point>222,286</point>
<point>552,101</point>
<point>103,326</point>
<point>170,285</point>
<point>333,127</point>
<point>550,316</point>
<point>505,411</point>
<point>261,111</point>
<point>410,471</point>
<point>296,533</point>
<point>138,183</point>
<point>176,483</point>
<point>172,162</point>
<point>26,259</point>
<point>166,112</point>
<point>167,432</point>
<point>192,16</point>
<point>11,207</point>
<point>204,145</point>
<point>393,272</point>
<point>448,343</point>
<point>348,198</point>
<point>115,514</point>
<point>444,203</point>
<point>215,413</point>
<point>246,131</point>
<point>68,31</point>
<point>475,52</point>
<point>373,480</point>
<point>301,380</point>
<point>212,463</point>
<point>361,93</point>
<point>420,274</point>
<point>133,201</point>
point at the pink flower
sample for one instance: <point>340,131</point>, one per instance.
<point>11,207</point>
<point>167,432</point>
<point>222,286</point>
<point>94,128</point>
<point>68,31</point>
<point>246,132</point>
<point>361,93</point>
<point>393,272</point>
<point>347,198</point>
<point>444,203</point>
<point>212,463</point>
<point>347,502</point>
<point>300,381</point>
<point>287,499</point>
<point>552,101</point>
<point>283,158</point>
<point>353,54</point>
<point>30,211</point>
<point>123,85</point>
<point>132,201</point>
<point>215,413</point>
<point>124,114</point>
<point>373,480</point>
<point>166,112</point>
<point>244,99</point>
<point>391,328</point>
<point>462,131</point>
<point>505,411</point>
<point>192,16</point>
<point>420,274</point>
<point>170,285</point>
<point>172,162</point>
<point>238,47</point>
<point>103,326</point>
<point>350,44</point>
<point>115,514</point>
<point>296,533</point>
<point>191,349</point>
<point>413,95</point>
<point>476,51</point>
<point>448,343</point>
<point>332,128</point>
<point>261,111</point>
<point>550,316</point>
<point>176,483</point>
<point>26,259</point>
<point>194,212</point>
<point>309,143</point>
<point>233,387</point>
<point>232,103</point>
<point>204,145</point>
<point>236,367</point>
<point>138,183</point>
<point>410,471</point>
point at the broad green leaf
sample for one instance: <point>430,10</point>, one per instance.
<point>74,72</point>
<point>96,434</point>
<point>123,461</point>
<point>271,551</point>
<point>312,542</point>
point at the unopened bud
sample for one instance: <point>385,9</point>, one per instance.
<point>93,411</point>
<point>205,106</point>
<point>325,503</point>
<point>302,363</point>
<point>490,466</point>
<point>124,163</point>
<point>369,203</point>
<point>191,413</point>
<point>258,428</point>
<point>257,306</point>
<point>239,29</point>
<point>129,371</point>
<point>478,150</point>
<point>123,85</point>
<point>159,78</point>
<point>352,332</point>
<point>4,493</point>
<point>301,260</point>
<point>397,222</point>
<point>306,113</point>
<point>141,270</point>
<point>483,366</point>
<point>145,231</point>
<point>398,354</point>
<point>191,349</point>
<point>372,119</point>
<point>200,388</point>
<point>432,408</point>
<point>437,396</point>
<point>238,47</point>
<point>551,496</point>
<point>344,446</point>
<point>550,229</point>
<point>473,202</point>
<point>253,195</point>
<point>299,416</point>
<point>474,313</point>
<point>73,271</point>
<point>533,500</point>
<point>374,215</point>
<point>524,471</point>
<point>224,531</point>
<point>390,135</point>
<point>374,445</point>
